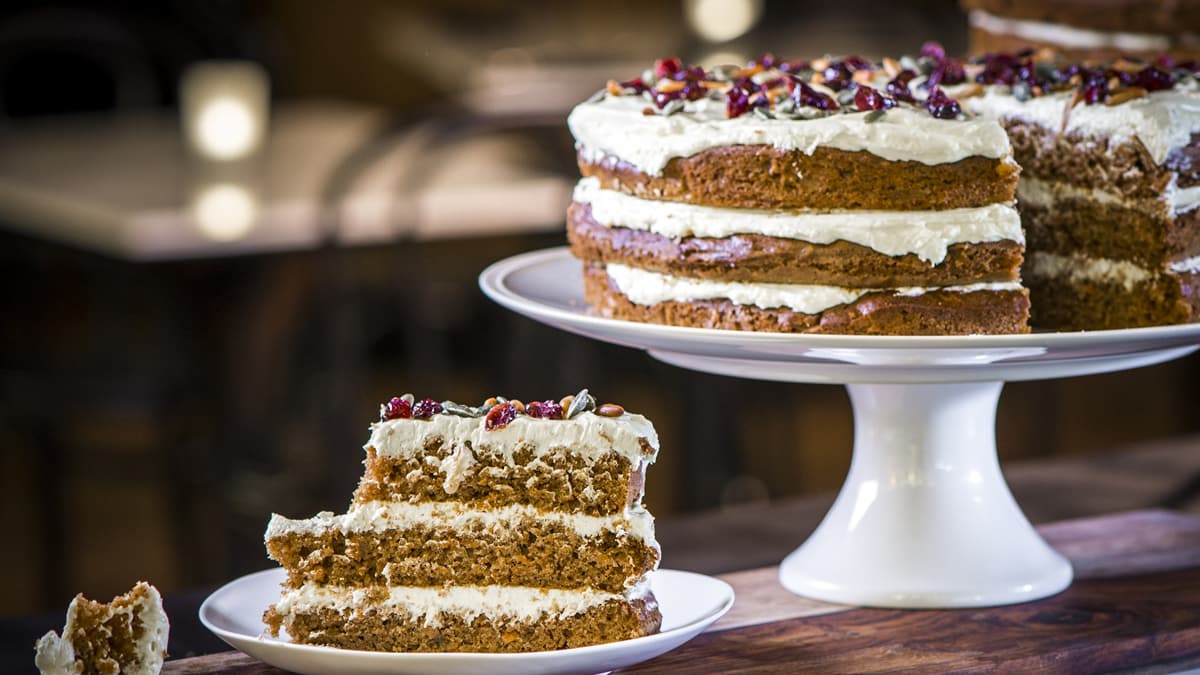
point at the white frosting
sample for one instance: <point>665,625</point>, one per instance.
<point>1181,200</point>
<point>1045,194</point>
<point>56,655</point>
<point>380,516</point>
<point>1068,36</point>
<point>468,602</point>
<point>649,288</point>
<point>1161,120</point>
<point>1189,266</point>
<point>926,234</point>
<point>616,126</point>
<point>1078,268</point>
<point>588,435</point>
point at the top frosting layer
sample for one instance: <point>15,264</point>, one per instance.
<point>588,434</point>
<point>616,126</point>
<point>1161,121</point>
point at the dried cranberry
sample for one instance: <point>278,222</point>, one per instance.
<point>1095,88</point>
<point>766,60</point>
<point>426,408</point>
<point>737,103</point>
<point>837,75</point>
<point>1153,79</point>
<point>866,98</point>
<point>805,95</point>
<point>942,106</point>
<point>946,72</point>
<point>499,416</point>
<point>665,68</point>
<point>856,63</point>
<point>933,50</point>
<point>636,84</point>
<point>1165,61</point>
<point>550,410</point>
<point>898,87</point>
<point>692,92</point>
<point>397,408</point>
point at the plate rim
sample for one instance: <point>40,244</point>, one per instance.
<point>708,618</point>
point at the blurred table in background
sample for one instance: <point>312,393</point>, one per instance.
<point>123,184</point>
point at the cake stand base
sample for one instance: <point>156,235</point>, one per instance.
<point>925,518</point>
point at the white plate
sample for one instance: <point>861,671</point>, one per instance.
<point>689,603</point>
<point>546,285</point>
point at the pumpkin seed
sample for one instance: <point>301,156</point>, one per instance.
<point>582,403</point>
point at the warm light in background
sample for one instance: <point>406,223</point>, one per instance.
<point>722,20</point>
<point>225,212</point>
<point>225,108</point>
<point>226,129</point>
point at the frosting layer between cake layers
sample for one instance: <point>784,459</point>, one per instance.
<point>432,605</point>
<point>927,234</point>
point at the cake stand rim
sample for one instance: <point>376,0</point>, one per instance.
<point>569,312</point>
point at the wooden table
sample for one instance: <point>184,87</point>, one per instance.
<point>1135,606</point>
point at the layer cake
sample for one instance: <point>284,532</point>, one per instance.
<point>1110,185</point>
<point>500,528</point>
<point>833,196</point>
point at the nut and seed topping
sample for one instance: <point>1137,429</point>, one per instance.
<point>610,410</point>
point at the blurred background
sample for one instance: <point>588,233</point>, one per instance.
<point>229,230</point>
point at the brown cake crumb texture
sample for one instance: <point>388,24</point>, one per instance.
<point>1063,304</point>
<point>1124,169</point>
<point>932,313</point>
<point>536,553</point>
<point>559,481</point>
<point>380,630</point>
<point>765,177</point>
<point>1112,232</point>
<point>106,638</point>
<point>760,258</point>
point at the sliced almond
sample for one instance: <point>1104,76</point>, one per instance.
<point>1067,110</point>
<point>863,76</point>
<point>1126,66</point>
<point>1127,94</point>
<point>891,67</point>
<point>969,91</point>
<point>614,87</point>
<point>668,86</point>
<point>747,72</point>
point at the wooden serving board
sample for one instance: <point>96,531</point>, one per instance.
<point>1135,606</point>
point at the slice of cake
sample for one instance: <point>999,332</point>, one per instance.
<point>127,636</point>
<point>507,527</point>
<point>1086,29</point>
<point>833,196</point>
<point>1109,190</point>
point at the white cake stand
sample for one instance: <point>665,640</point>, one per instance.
<point>925,518</point>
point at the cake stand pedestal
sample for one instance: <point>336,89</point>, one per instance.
<point>925,518</point>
